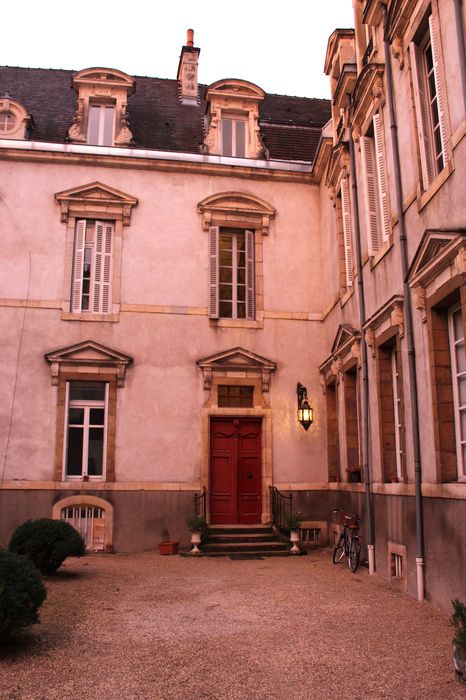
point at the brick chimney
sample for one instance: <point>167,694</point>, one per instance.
<point>187,71</point>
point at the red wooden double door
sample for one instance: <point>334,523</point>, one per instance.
<point>235,471</point>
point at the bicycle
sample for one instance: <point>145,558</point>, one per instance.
<point>348,544</point>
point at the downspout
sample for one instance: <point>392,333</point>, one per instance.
<point>408,324</point>
<point>460,42</point>
<point>365,382</point>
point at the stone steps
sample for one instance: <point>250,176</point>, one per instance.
<point>246,541</point>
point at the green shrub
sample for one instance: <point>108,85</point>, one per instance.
<point>21,592</point>
<point>47,543</point>
<point>458,620</point>
<point>196,522</point>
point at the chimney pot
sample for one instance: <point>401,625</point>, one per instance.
<point>190,38</point>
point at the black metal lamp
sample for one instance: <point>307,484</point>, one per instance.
<point>305,412</point>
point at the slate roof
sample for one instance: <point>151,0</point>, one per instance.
<point>290,126</point>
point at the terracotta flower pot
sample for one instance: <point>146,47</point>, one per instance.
<point>168,547</point>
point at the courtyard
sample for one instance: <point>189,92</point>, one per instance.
<point>127,627</point>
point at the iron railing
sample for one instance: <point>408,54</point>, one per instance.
<point>281,505</point>
<point>200,504</point>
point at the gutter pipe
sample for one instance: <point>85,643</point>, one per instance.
<point>365,382</point>
<point>408,324</point>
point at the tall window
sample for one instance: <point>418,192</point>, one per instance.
<point>346,225</point>
<point>429,101</point>
<point>390,386</point>
<point>85,429</point>
<point>234,137</point>
<point>92,268</point>
<point>375,186</point>
<point>231,273</point>
<point>101,125</point>
<point>458,369</point>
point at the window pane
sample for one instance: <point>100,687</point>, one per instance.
<point>93,127</point>
<point>240,139</point>
<point>90,391</point>
<point>226,274</point>
<point>225,258</point>
<point>241,292</point>
<point>109,121</point>
<point>225,309</point>
<point>460,358</point>
<point>76,416</point>
<point>463,424</point>
<point>75,452</point>
<point>458,324</point>
<point>226,137</point>
<point>226,292</point>
<point>241,275</point>
<point>97,416</point>
<point>241,310</point>
<point>462,390</point>
<point>96,450</point>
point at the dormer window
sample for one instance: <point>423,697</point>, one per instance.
<point>232,119</point>
<point>101,124</point>
<point>234,137</point>
<point>101,116</point>
<point>14,120</point>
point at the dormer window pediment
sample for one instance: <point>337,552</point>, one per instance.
<point>101,116</point>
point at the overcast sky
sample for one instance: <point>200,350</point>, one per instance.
<point>278,45</point>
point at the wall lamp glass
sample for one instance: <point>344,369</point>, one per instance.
<point>305,412</point>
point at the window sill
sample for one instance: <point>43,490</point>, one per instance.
<point>235,323</point>
<point>387,245</point>
<point>108,318</point>
<point>434,187</point>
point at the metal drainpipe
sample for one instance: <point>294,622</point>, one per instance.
<point>460,41</point>
<point>408,324</point>
<point>365,381</point>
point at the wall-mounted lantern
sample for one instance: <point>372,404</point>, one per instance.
<point>305,412</point>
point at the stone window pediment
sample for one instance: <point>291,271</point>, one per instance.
<point>338,165</point>
<point>346,352</point>
<point>436,252</point>
<point>236,209</point>
<point>234,102</point>
<point>368,96</point>
<point>88,355</point>
<point>105,88</point>
<point>95,200</point>
<point>237,360</point>
<point>14,119</point>
<point>390,316</point>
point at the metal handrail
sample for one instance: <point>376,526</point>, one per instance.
<point>281,505</point>
<point>200,507</point>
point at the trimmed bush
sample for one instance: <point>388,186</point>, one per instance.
<point>21,592</point>
<point>47,543</point>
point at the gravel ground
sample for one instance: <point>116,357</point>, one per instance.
<point>145,626</point>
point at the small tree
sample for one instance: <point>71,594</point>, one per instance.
<point>47,543</point>
<point>21,592</point>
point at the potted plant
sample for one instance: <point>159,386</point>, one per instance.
<point>197,525</point>
<point>293,522</point>
<point>166,545</point>
<point>458,620</point>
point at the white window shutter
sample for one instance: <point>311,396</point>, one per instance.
<point>250,276</point>
<point>435,43</point>
<point>345,206</point>
<point>106,284</point>
<point>98,267</point>
<point>78,265</point>
<point>382,177</point>
<point>371,194</point>
<point>423,126</point>
<point>213,272</point>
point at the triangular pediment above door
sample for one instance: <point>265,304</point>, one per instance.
<point>236,360</point>
<point>346,334</point>
<point>436,251</point>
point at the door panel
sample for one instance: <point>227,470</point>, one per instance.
<point>235,471</point>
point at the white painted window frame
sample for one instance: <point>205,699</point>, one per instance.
<point>214,274</point>
<point>100,286</point>
<point>101,107</point>
<point>86,404</point>
<point>396,412</point>
<point>234,137</point>
<point>377,203</point>
<point>458,409</point>
<point>347,237</point>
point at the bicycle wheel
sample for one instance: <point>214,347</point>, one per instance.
<point>339,551</point>
<point>354,554</point>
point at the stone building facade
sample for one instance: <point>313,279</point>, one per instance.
<point>177,257</point>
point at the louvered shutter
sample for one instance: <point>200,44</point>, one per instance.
<point>421,105</point>
<point>78,264</point>
<point>101,282</point>
<point>213,272</point>
<point>345,206</point>
<point>370,193</point>
<point>384,206</point>
<point>435,43</point>
<point>250,276</point>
